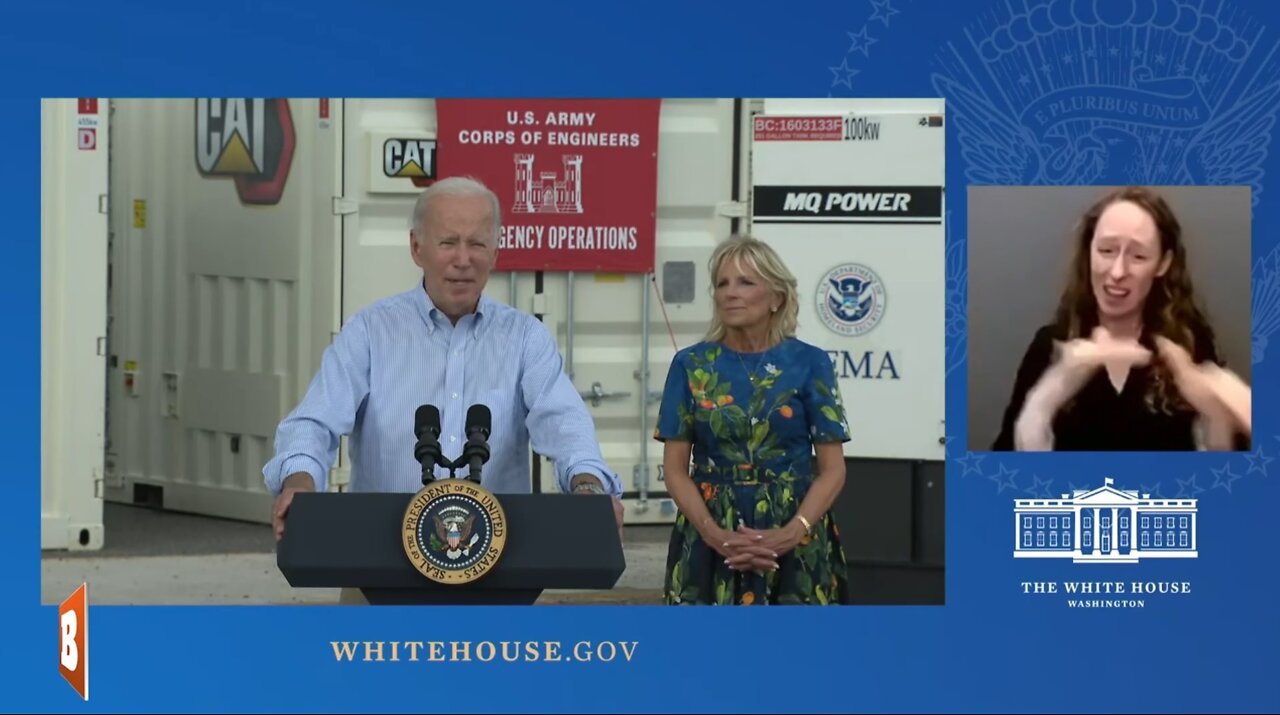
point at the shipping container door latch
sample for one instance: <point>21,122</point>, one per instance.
<point>731,209</point>
<point>171,395</point>
<point>598,393</point>
<point>343,207</point>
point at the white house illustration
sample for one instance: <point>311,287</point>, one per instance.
<point>548,193</point>
<point>1104,525</point>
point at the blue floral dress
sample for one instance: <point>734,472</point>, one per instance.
<point>753,419</point>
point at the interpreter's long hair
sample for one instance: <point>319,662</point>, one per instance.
<point>1171,306</point>
<point>759,256</point>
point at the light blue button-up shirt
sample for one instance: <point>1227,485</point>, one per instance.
<point>401,353</point>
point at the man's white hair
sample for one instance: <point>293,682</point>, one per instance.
<point>457,186</point>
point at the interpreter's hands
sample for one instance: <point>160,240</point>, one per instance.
<point>1084,355</point>
<point>1198,384</point>
<point>1215,392</point>
<point>300,482</point>
<point>1077,361</point>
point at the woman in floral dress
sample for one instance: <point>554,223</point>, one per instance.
<point>742,416</point>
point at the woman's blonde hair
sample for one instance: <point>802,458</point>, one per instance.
<point>759,256</point>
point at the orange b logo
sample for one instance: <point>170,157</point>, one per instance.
<point>73,626</point>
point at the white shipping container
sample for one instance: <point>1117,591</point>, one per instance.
<point>73,295</point>
<point>878,227</point>
<point>221,308</point>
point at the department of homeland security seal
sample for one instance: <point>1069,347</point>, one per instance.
<point>454,531</point>
<point>851,299</point>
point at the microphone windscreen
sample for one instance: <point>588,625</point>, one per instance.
<point>478,418</point>
<point>426,418</point>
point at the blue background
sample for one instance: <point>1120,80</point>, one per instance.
<point>991,648</point>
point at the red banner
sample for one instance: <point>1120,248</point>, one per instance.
<point>578,179</point>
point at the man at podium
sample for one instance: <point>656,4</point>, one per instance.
<point>440,343</point>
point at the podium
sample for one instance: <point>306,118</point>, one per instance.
<point>354,540</point>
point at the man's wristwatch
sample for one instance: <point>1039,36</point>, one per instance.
<point>589,488</point>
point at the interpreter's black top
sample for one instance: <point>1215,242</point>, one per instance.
<point>1099,418</point>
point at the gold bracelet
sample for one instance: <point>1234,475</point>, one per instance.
<point>807,526</point>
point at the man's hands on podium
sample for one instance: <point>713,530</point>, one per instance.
<point>302,482</point>
<point>299,482</point>
<point>590,484</point>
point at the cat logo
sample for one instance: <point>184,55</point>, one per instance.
<point>250,140</point>
<point>411,158</point>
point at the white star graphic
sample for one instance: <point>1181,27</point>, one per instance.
<point>861,41</point>
<point>843,74</point>
<point>1184,484</point>
<point>883,11</point>
<point>971,463</point>
<point>1038,485</point>
<point>1224,477</point>
<point>1001,482</point>
<point>1258,461</point>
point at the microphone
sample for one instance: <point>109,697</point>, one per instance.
<point>426,426</point>
<point>476,451</point>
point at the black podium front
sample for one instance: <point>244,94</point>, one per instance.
<point>554,541</point>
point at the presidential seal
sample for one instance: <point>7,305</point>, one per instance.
<point>454,531</point>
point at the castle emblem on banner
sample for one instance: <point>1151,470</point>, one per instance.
<point>548,192</point>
